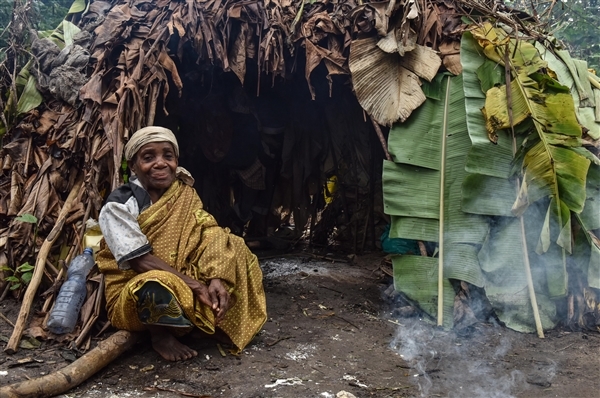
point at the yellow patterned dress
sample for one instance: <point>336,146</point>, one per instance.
<point>186,237</point>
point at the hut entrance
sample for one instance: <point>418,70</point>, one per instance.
<point>272,163</point>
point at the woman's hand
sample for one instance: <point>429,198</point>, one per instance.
<point>214,295</point>
<point>220,299</point>
<point>200,290</point>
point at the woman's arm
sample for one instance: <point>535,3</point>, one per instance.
<point>215,295</point>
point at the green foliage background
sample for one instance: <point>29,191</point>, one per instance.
<point>45,15</point>
<point>574,22</point>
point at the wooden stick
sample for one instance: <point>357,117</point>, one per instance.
<point>344,319</point>
<point>381,138</point>
<point>178,392</point>
<point>313,221</point>
<point>328,288</point>
<point>75,373</point>
<point>6,320</point>
<point>594,82</point>
<point>278,340</point>
<point>26,168</point>
<point>530,288</point>
<point>50,278</point>
<point>5,292</point>
<point>532,297</point>
<point>51,267</point>
<point>440,310</point>
<point>548,10</point>
<point>38,272</point>
<point>75,216</point>
<point>422,248</point>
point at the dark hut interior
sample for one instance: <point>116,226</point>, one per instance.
<point>262,153</point>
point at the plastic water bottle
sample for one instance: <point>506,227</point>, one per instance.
<point>72,294</point>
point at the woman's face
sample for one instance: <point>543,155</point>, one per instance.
<point>155,165</point>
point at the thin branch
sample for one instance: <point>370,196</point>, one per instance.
<point>7,320</point>
<point>381,138</point>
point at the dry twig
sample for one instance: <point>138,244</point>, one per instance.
<point>185,394</point>
<point>7,320</point>
<point>381,138</point>
<point>278,340</point>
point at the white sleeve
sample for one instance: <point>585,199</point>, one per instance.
<point>122,233</point>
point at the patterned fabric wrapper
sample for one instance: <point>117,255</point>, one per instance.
<point>188,238</point>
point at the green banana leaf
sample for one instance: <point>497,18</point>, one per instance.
<point>586,258</point>
<point>63,35</point>
<point>422,192</point>
<point>30,98</point>
<point>554,164</point>
<point>589,244</point>
<point>550,169</point>
<point>568,75</point>
<point>489,164</point>
<point>543,143</point>
<point>582,73</point>
<point>590,216</point>
<point>26,98</point>
<point>417,277</point>
<point>78,6</point>
<point>425,229</point>
<point>503,256</point>
<point>594,267</point>
<point>501,259</point>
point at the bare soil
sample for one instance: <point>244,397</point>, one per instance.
<point>330,329</point>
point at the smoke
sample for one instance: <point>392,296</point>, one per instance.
<point>411,343</point>
<point>492,388</point>
<point>442,364</point>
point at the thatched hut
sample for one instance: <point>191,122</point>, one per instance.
<point>273,99</point>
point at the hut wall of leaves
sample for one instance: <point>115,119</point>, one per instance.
<point>493,140</point>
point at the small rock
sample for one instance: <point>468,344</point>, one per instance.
<point>113,381</point>
<point>68,355</point>
<point>147,368</point>
<point>345,394</point>
<point>538,380</point>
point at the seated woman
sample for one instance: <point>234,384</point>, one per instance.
<point>168,267</point>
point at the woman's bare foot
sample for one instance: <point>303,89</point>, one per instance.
<point>168,346</point>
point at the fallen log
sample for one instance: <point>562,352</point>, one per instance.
<point>75,373</point>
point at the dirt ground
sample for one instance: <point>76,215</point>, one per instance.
<point>331,330</point>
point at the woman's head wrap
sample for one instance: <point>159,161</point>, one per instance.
<point>146,135</point>
<point>150,134</point>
